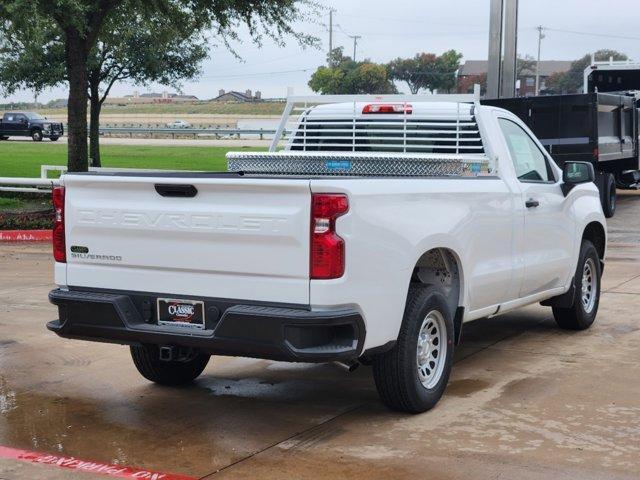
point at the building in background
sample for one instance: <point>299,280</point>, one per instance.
<point>475,71</point>
<point>147,98</point>
<point>234,96</point>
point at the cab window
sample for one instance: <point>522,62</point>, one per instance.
<point>530,163</point>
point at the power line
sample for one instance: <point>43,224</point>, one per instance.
<point>429,22</point>
<point>425,34</point>
<point>591,34</point>
<point>260,73</point>
<point>272,60</point>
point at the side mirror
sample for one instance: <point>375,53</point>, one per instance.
<point>575,173</point>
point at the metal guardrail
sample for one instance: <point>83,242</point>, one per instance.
<point>196,132</point>
<point>27,185</point>
<point>45,184</point>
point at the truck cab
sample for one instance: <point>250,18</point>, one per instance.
<point>29,124</point>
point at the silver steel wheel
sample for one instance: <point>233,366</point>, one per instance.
<point>589,285</point>
<point>431,353</point>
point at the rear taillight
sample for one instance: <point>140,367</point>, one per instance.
<point>59,247</point>
<point>374,108</point>
<point>327,248</point>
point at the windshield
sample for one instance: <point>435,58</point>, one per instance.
<point>34,116</point>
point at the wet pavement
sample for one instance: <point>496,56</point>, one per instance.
<point>526,400</point>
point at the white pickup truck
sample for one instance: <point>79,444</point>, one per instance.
<point>384,225</point>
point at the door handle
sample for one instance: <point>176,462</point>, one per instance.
<point>531,203</point>
<point>170,190</point>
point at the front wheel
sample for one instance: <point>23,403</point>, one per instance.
<point>586,299</point>
<point>2,139</point>
<point>36,136</point>
<point>146,358</point>
<point>54,139</point>
<point>413,375</point>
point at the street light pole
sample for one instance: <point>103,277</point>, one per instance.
<point>540,37</point>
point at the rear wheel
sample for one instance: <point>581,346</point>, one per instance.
<point>413,375</point>
<point>146,358</point>
<point>608,195</point>
<point>36,135</point>
<point>586,299</point>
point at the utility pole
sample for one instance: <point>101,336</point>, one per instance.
<point>496,30</point>
<point>355,44</point>
<point>510,49</point>
<point>540,37</point>
<point>330,37</point>
<point>503,47</point>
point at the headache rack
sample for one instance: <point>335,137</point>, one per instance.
<point>375,135</point>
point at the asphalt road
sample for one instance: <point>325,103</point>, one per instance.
<point>526,400</point>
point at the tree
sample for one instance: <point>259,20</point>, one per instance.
<point>467,83</point>
<point>525,66</point>
<point>427,71</point>
<point>447,66</point>
<point>348,77</point>
<point>77,25</point>
<point>141,49</point>
<point>418,72</point>
<point>572,81</point>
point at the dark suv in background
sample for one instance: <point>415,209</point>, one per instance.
<point>29,124</point>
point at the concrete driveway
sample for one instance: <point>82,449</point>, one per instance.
<point>526,400</point>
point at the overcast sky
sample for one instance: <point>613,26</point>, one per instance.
<point>401,28</point>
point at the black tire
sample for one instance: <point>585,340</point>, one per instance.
<point>581,316</point>
<point>2,139</point>
<point>36,135</point>
<point>146,358</point>
<point>608,195</point>
<point>396,371</point>
<point>54,139</point>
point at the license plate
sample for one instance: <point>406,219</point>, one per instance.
<point>181,313</point>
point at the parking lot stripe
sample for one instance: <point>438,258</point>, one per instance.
<point>98,468</point>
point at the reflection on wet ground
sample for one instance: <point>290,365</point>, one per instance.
<point>526,400</point>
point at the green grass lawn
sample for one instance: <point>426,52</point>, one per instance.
<point>23,159</point>
<point>9,203</point>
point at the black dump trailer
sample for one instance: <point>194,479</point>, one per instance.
<point>599,128</point>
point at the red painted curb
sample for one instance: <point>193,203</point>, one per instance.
<point>72,463</point>
<point>25,235</point>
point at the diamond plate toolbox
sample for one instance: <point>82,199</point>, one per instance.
<point>359,164</point>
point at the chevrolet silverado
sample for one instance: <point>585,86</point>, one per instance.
<point>384,225</point>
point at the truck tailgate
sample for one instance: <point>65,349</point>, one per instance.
<point>237,238</point>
